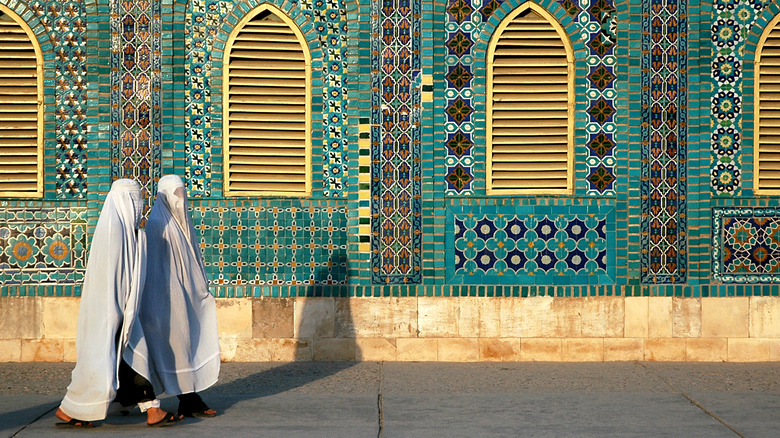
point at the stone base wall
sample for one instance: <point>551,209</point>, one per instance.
<point>737,329</point>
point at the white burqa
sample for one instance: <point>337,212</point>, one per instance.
<point>110,297</point>
<point>178,314</point>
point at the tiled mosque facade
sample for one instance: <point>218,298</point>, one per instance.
<point>663,250</point>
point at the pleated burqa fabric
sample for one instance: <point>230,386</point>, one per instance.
<point>109,303</point>
<point>178,314</point>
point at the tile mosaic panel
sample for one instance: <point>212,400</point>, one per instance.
<point>396,224</point>
<point>42,246</point>
<point>664,142</point>
<point>732,21</point>
<point>202,21</point>
<point>746,245</point>
<point>495,246</point>
<point>597,22</point>
<point>65,20</point>
<point>264,244</point>
<point>136,93</point>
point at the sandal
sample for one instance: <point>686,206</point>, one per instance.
<point>191,405</point>
<point>74,423</point>
<point>168,420</point>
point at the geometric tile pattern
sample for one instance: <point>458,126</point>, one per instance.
<point>42,246</point>
<point>598,21</point>
<point>664,142</point>
<point>65,20</point>
<point>265,243</point>
<point>395,153</point>
<point>330,24</point>
<point>136,93</point>
<point>200,18</point>
<point>746,245</point>
<point>461,25</point>
<point>499,245</point>
<point>597,24</point>
<point>732,21</point>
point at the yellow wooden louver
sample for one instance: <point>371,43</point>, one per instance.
<point>766,178</point>
<point>21,109</point>
<point>267,101</point>
<point>529,105</point>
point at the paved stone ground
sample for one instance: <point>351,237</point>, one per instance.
<point>371,399</point>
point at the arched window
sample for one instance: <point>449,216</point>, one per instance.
<point>267,107</point>
<point>766,176</point>
<point>530,104</point>
<point>21,108</point>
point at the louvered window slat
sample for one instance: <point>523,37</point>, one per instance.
<point>530,104</point>
<point>267,87</point>
<point>20,110</point>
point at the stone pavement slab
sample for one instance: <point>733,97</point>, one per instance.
<point>371,399</point>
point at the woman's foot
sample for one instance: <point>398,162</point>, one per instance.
<point>69,421</point>
<point>158,417</point>
<point>191,405</point>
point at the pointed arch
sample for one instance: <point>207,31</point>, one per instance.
<point>267,107</point>
<point>530,105</point>
<point>21,108</point>
<point>766,175</point>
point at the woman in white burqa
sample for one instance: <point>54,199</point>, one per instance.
<point>108,312</point>
<point>177,312</point>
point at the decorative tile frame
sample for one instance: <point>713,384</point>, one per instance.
<point>323,21</point>
<point>733,21</point>
<point>65,22</point>
<point>530,245</point>
<point>746,245</point>
<point>272,243</point>
<point>42,246</point>
<point>596,26</point>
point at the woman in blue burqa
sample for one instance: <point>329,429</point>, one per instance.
<point>182,355</point>
<point>108,315</point>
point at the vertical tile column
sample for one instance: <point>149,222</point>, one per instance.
<point>136,97</point>
<point>395,149</point>
<point>664,141</point>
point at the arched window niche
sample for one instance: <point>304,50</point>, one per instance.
<point>267,107</point>
<point>530,105</point>
<point>21,108</point>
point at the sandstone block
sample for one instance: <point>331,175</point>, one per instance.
<point>764,317</point>
<point>748,350</point>
<point>20,318</point>
<point>725,317</point>
<point>273,317</point>
<point>59,317</point>
<point>438,317</point>
<point>375,349</point>
<point>665,349</point>
<point>458,350</point>
<point>659,317</point>
<point>603,317</point>
<point>624,349</point>
<point>636,314</point>
<point>234,317</point>
<point>706,349</point>
<point>315,317</point>
<point>372,317</point>
<point>583,350</point>
<point>333,349</point>
<point>43,350</point>
<point>416,349</point>
<point>499,349</point>
<point>686,317</point>
<point>541,349</point>
<point>10,350</point>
